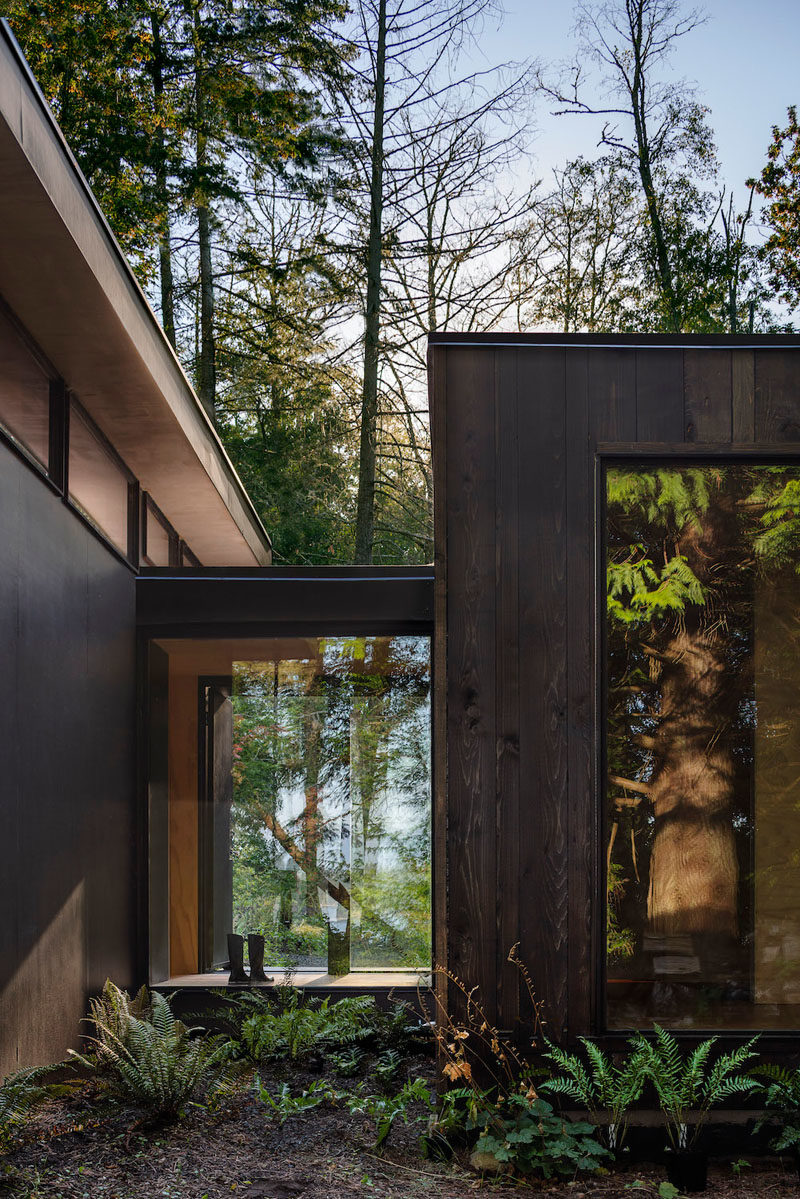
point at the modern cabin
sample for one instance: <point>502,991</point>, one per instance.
<point>578,732</point>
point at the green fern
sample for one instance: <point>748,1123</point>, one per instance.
<point>782,1105</point>
<point>300,1028</point>
<point>601,1086</point>
<point>150,1059</point>
<point>20,1095</point>
<point>684,1084</point>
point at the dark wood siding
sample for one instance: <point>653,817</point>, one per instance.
<point>519,427</point>
<point>68,781</point>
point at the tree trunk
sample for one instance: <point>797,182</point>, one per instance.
<point>365,504</point>
<point>693,868</point>
<point>694,874</point>
<point>207,374</point>
<point>644,163</point>
<point>206,367</point>
<point>162,188</point>
<point>311,820</point>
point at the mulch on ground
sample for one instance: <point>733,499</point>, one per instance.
<point>77,1150</point>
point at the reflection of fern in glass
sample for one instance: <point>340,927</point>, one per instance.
<point>620,940</point>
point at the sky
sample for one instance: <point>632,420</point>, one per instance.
<point>745,61</point>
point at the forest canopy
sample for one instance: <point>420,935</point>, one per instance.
<point>307,188</point>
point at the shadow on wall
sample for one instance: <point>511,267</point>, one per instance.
<point>55,968</point>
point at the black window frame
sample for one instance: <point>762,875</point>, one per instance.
<point>53,470</point>
<point>151,508</point>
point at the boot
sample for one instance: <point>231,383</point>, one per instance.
<point>255,950</point>
<point>236,955</point>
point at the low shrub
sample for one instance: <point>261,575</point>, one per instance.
<point>283,1104</point>
<point>415,1103</point>
<point>781,1099</point>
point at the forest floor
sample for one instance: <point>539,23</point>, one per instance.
<point>77,1149</point>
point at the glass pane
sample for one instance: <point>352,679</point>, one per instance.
<point>24,394</point>
<point>157,540</point>
<point>703,746</point>
<point>96,484</point>
<point>331,804</point>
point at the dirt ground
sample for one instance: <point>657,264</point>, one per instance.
<point>73,1150</point>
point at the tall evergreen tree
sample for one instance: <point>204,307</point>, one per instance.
<point>779,184</point>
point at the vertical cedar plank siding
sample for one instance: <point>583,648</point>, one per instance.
<point>68,769</point>
<point>516,431</point>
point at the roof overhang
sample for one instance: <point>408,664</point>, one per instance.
<point>64,275</point>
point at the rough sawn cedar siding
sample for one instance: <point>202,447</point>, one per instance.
<point>520,424</point>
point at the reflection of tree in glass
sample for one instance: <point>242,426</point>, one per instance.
<point>686,550</point>
<point>331,799</point>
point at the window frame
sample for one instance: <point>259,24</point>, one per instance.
<point>151,508</point>
<point>53,470</point>
<point>221,604</point>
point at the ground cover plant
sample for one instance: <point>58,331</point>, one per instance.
<point>360,1118</point>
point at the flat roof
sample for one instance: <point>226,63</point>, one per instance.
<point>616,341</point>
<point>66,278</point>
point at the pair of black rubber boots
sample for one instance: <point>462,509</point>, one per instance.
<point>255,951</point>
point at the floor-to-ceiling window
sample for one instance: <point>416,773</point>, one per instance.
<point>300,802</point>
<point>702,745</point>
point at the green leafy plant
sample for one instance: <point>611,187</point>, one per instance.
<point>691,1083</point>
<point>533,1139</point>
<point>146,1056</point>
<point>387,1067</point>
<point>459,1113</point>
<point>781,1100</point>
<point>400,1028</point>
<point>294,1026</point>
<point>602,1086</point>
<point>20,1095</point>
<point>347,1063</point>
<point>386,1109</point>
<point>284,1104</point>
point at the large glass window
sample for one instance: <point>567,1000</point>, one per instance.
<point>321,780</point>
<point>702,827</point>
<point>24,394</point>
